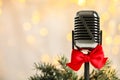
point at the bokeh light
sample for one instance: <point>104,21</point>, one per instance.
<point>27,26</point>
<point>45,58</point>
<point>0,11</point>
<point>69,37</point>
<point>36,17</point>
<point>22,1</point>
<point>81,2</point>
<point>108,40</point>
<point>119,27</point>
<point>31,39</point>
<point>43,31</point>
<point>1,3</point>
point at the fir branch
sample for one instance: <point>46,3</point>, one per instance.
<point>48,71</point>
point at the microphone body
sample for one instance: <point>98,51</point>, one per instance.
<point>86,34</point>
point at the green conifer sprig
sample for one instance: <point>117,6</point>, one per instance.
<point>48,71</point>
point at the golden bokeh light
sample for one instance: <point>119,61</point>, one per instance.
<point>116,40</point>
<point>69,37</point>
<point>55,61</point>
<point>74,1</point>
<point>90,3</point>
<point>81,2</point>
<point>119,27</point>
<point>27,26</point>
<point>112,8</point>
<point>31,39</point>
<point>111,27</point>
<point>115,50</point>
<point>1,3</point>
<point>36,17</point>
<point>45,58</point>
<point>22,1</point>
<point>0,11</point>
<point>43,31</point>
<point>108,40</point>
<point>104,17</point>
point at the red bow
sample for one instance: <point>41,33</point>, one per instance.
<point>95,57</point>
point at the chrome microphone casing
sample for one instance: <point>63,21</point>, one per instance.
<point>87,33</point>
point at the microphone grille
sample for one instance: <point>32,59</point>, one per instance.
<point>87,27</point>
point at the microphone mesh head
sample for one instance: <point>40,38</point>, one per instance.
<point>87,28</point>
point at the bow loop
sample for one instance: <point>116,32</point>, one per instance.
<point>95,57</point>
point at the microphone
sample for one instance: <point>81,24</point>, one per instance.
<point>86,33</point>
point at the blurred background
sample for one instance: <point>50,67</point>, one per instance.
<point>40,30</point>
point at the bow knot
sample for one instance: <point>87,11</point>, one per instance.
<point>95,57</point>
<point>86,58</point>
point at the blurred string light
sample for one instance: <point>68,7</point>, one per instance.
<point>81,2</point>
<point>111,27</point>
<point>27,26</point>
<point>55,60</point>
<point>104,17</point>
<point>45,58</point>
<point>31,39</point>
<point>117,40</point>
<point>0,11</point>
<point>43,31</point>
<point>69,37</point>
<point>119,27</point>
<point>21,1</point>
<point>112,9</point>
<point>112,6</point>
<point>108,40</point>
<point>74,1</point>
<point>115,50</point>
<point>1,3</point>
<point>36,17</point>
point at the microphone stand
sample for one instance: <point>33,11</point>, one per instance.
<point>86,71</point>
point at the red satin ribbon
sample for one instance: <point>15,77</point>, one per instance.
<point>95,57</point>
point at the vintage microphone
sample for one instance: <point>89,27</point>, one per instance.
<point>86,34</point>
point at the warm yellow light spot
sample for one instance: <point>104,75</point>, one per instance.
<point>55,61</point>
<point>115,0</point>
<point>112,8</point>
<point>108,40</point>
<point>119,27</point>
<point>0,11</point>
<point>90,2</point>
<point>104,34</point>
<point>45,58</point>
<point>43,31</point>
<point>36,17</point>
<point>104,17</point>
<point>22,1</point>
<point>115,50</point>
<point>27,26</point>
<point>111,27</point>
<point>74,1</point>
<point>81,2</point>
<point>1,3</point>
<point>31,39</point>
<point>117,40</point>
<point>69,37</point>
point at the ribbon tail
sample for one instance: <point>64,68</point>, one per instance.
<point>73,66</point>
<point>99,64</point>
